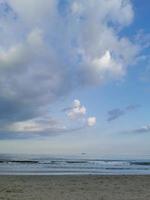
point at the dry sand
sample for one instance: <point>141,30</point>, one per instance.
<point>75,187</point>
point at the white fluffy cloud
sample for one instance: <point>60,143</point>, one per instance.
<point>91,121</point>
<point>77,110</point>
<point>106,66</point>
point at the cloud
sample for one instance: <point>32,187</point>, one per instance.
<point>76,7</point>
<point>91,121</point>
<point>107,64</point>
<point>132,107</point>
<point>144,129</point>
<point>40,125</point>
<point>51,47</point>
<point>23,53</point>
<point>49,126</point>
<point>77,110</point>
<point>117,112</point>
<point>28,80</point>
<point>37,10</point>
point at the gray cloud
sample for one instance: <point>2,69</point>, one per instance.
<point>117,112</point>
<point>132,107</point>
<point>142,130</point>
<point>145,129</point>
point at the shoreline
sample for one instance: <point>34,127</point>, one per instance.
<point>67,174</point>
<point>73,187</point>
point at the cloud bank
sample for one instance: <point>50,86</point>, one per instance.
<point>50,47</point>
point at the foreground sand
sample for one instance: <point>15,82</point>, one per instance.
<point>75,187</point>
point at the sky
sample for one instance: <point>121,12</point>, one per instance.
<point>75,77</point>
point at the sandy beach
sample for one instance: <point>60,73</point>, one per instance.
<point>74,187</point>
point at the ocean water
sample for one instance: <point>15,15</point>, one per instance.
<point>48,165</point>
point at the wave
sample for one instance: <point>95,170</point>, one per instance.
<point>50,165</point>
<point>20,161</point>
<point>92,162</point>
<point>140,163</point>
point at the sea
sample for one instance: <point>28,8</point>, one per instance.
<point>63,165</point>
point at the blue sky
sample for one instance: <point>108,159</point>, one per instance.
<point>74,77</point>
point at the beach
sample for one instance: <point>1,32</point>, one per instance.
<point>75,187</point>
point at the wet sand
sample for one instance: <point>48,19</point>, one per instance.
<point>74,187</point>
